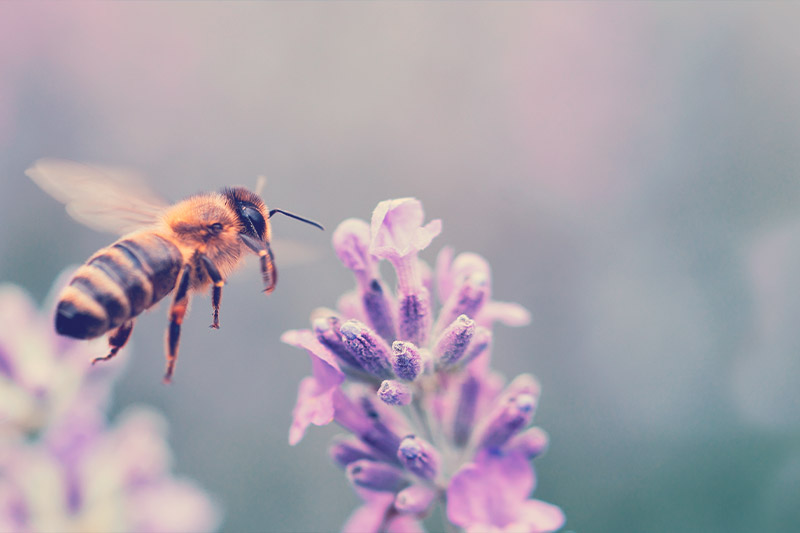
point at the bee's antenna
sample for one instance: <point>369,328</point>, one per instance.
<point>301,219</point>
<point>260,182</point>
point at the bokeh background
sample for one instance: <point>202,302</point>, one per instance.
<point>632,172</point>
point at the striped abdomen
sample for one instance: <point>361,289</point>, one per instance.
<point>116,284</point>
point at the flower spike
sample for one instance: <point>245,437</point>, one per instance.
<point>430,421</point>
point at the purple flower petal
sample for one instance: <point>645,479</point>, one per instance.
<point>351,305</point>
<point>351,240</point>
<point>452,273</point>
<point>17,310</point>
<point>541,517</point>
<point>315,403</point>
<point>444,281</point>
<point>370,517</point>
<point>532,442</point>
<point>310,408</point>
<point>305,339</point>
<point>403,524</point>
<point>507,313</point>
<point>426,275</point>
<point>136,448</point>
<point>172,506</point>
<point>397,229</point>
<point>493,491</point>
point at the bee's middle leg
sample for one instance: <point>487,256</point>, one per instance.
<point>216,290</point>
<point>117,340</point>
<point>176,313</point>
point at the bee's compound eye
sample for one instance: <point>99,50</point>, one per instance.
<point>215,228</point>
<point>254,222</point>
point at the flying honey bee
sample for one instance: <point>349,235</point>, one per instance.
<point>184,247</point>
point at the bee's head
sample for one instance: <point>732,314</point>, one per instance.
<point>251,211</point>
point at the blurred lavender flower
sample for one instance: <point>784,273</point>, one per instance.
<point>62,468</point>
<point>431,422</point>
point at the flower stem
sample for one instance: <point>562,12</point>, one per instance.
<point>421,419</point>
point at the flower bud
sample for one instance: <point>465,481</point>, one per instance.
<point>414,321</point>
<point>532,442</point>
<point>376,476</point>
<point>327,332</point>
<point>508,420</point>
<point>415,499</point>
<point>370,350</point>
<point>480,343</point>
<point>467,299</point>
<point>453,341</point>
<point>351,242</point>
<point>465,411</point>
<point>345,451</point>
<point>378,308</point>
<point>393,392</point>
<point>406,360</point>
<point>418,457</point>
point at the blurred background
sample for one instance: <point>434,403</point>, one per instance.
<point>631,171</point>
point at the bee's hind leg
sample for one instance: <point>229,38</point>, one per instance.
<point>176,313</point>
<point>216,290</point>
<point>117,340</point>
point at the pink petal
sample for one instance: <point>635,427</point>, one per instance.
<point>350,305</point>
<point>466,498</point>
<point>172,506</point>
<point>542,517</point>
<point>507,313</point>
<point>305,338</point>
<point>369,518</point>
<point>397,229</point>
<point>404,524</point>
<point>351,241</point>
<point>444,281</point>
<point>493,490</point>
<point>315,394</point>
<point>311,408</point>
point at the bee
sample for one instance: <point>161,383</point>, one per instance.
<point>181,248</point>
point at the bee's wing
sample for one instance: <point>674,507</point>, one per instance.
<point>103,198</point>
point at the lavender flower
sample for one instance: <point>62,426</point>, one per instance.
<point>430,421</point>
<point>43,376</point>
<point>62,467</point>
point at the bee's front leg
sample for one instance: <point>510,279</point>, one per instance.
<point>269,274</point>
